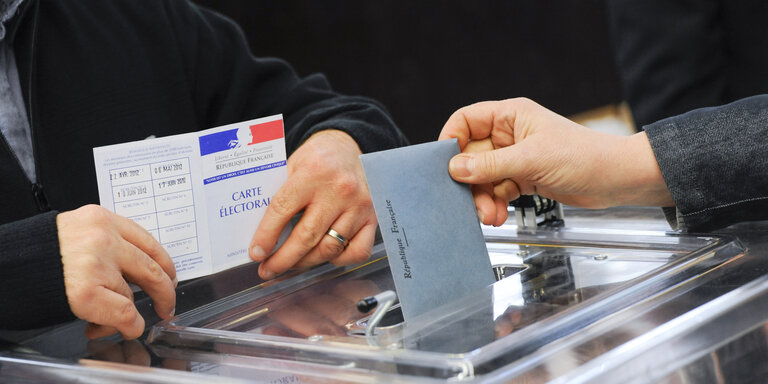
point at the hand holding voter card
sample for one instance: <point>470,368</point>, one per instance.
<point>195,201</point>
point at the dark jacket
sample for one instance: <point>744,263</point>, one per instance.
<point>715,164</point>
<point>98,72</point>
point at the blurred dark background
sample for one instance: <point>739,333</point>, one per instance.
<point>425,59</point>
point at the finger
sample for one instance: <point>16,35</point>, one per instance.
<point>360,246</point>
<point>112,309</point>
<point>145,272</point>
<point>480,120</point>
<point>143,240</point>
<point>115,283</point>
<point>310,229</point>
<point>486,206</point>
<point>501,211</point>
<point>507,190</point>
<point>471,122</point>
<point>329,247</point>
<point>289,200</point>
<point>503,193</point>
<point>483,145</point>
<point>491,166</point>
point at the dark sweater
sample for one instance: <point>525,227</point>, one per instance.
<point>99,72</point>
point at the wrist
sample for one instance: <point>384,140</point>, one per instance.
<point>641,181</point>
<point>338,137</point>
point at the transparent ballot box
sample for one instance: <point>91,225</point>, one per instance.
<point>563,298</point>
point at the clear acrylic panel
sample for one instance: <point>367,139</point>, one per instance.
<point>552,286</point>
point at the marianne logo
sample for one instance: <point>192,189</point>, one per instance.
<point>244,137</point>
<point>241,137</point>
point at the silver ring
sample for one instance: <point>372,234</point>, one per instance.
<point>332,233</point>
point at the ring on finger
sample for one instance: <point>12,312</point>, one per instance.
<point>341,239</point>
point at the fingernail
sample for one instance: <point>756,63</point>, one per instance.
<point>267,274</point>
<point>175,282</point>
<point>257,253</point>
<point>173,312</point>
<point>460,166</point>
<point>481,216</point>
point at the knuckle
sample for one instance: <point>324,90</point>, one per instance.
<point>161,256</point>
<point>99,239</point>
<point>282,204</point>
<point>353,256</point>
<point>317,167</point>
<point>330,248</point>
<point>463,111</point>
<point>306,235</point>
<point>361,256</point>
<point>125,313</point>
<point>458,115</point>
<point>150,241</point>
<point>346,186</point>
<point>94,214</point>
<point>509,190</point>
<point>524,102</point>
<point>91,264</point>
<point>79,294</point>
<point>153,273</point>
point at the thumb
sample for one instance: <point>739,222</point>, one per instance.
<point>486,167</point>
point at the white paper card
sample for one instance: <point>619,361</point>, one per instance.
<point>200,194</point>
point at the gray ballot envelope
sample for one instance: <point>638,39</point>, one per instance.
<point>429,225</point>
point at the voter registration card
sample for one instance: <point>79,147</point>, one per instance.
<point>200,194</point>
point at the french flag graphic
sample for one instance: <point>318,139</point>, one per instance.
<point>241,137</point>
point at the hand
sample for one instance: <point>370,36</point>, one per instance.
<point>100,251</point>
<point>326,181</point>
<point>516,146</point>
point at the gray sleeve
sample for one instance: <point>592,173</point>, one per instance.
<point>715,163</point>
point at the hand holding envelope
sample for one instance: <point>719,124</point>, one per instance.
<point>529,149</point>
<point>326,181</point>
